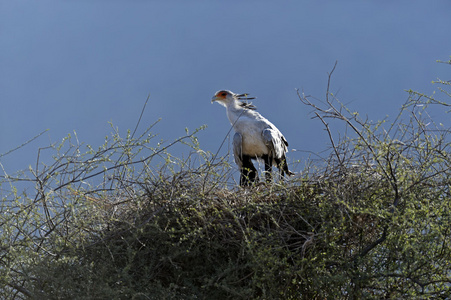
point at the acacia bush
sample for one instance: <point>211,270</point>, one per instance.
<point>131,221</point>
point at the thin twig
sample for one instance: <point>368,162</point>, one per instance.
<point>24,144</point>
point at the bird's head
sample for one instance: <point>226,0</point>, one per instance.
<point>225,97</point>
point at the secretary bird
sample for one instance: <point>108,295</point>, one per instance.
<point>255,138</point>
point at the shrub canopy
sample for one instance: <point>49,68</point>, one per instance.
<point>131,221</point>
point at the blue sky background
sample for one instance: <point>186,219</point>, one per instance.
<point>77,65</point>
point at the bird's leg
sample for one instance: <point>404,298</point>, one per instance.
<point>279,164</point>
<point>244,177</point>
<point>268,168</point>
<point>248,172</point>
<point>248,176</point>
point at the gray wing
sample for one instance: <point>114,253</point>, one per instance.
<point>237,149</point>
<point>275,141</point>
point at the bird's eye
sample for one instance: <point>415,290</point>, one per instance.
<point>223,94</point>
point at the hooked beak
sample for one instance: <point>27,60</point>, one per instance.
<point>215,98</point>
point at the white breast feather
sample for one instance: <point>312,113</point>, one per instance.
<point>251,130</point>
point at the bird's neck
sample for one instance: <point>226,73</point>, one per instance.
<point>234,111</point>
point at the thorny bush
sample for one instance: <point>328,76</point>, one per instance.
<point>131,221</point>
